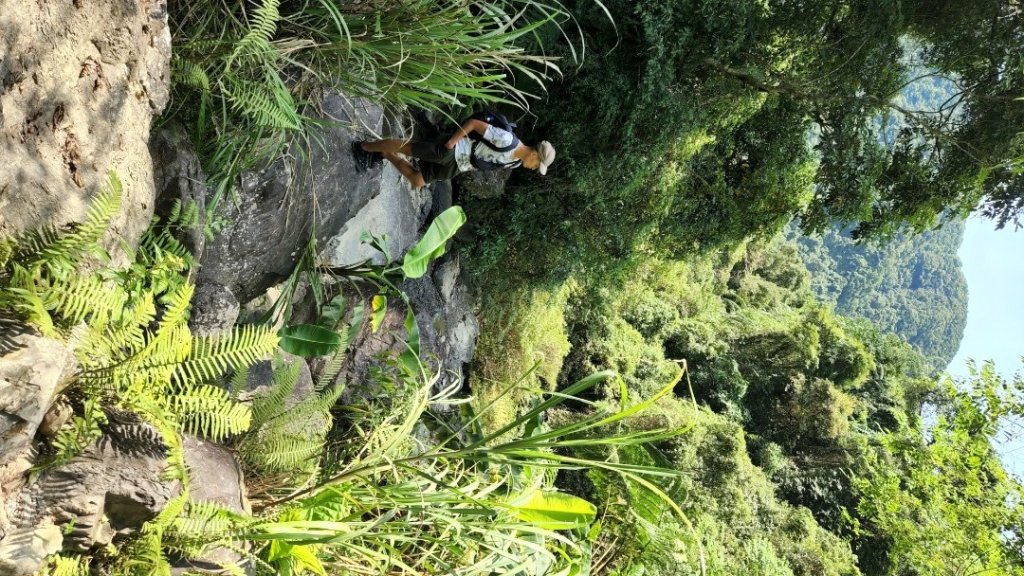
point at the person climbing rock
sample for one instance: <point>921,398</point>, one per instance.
<point>485,141</point>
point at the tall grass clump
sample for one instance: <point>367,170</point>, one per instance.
<point>246,74</point>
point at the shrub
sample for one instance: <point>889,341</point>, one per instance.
<point>649,314</point>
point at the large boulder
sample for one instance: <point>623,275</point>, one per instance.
<point>397,214</point>
<point>24,551</point>
<point>277,209</point>
<point>29,378</point>
<point>109,490</point>
<point>179,178</point>
<point>444,314</point>
<point>80,83</point>
<point>216,479</point>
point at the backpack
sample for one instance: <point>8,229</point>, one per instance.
<point>498,121</point>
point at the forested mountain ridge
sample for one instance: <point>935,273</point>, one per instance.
<point>912,285</point>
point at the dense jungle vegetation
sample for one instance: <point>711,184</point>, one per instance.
<point>688,145</point>
<point>666,381</point>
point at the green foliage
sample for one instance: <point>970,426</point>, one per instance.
<point>288,433</point>
<point>471,503</point>
<point>739,527</point>
<point>431,245</point>
<point>552,510</point>
<point>309,340</point>
<point>822,403</point>
<point>947,506</point>
<point>459,506</point>
<point>522,338</point>
<point>129,358</point>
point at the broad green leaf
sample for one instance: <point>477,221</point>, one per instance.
<point>304,557</point>
<point>309,340</point>
<point>431,246</point>
<point>332,313</point>
<point>410,358</point>
<point>552,510</point>
<point>379,243</point>
<point>356,324</point>
<point>378,308</point>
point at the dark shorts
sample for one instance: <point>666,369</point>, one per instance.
<point>436,161</point>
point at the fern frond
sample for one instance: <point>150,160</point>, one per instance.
<point>267,106</point>
<point>30,245</point>
<point>83,296</point>
<point>160,249</point>
<point>271,453</point>
<point>239,380</point>
<point>207,521</point>
<point>325,400</point>
<point>143,555</point>
<point>288,439</point>
<point>151,368</point>
<point>190,74</point>
<point>30,305</point>
<point>68,566</point>
<point>256,42</point>
<point>208,411</point>
<point>126,337</point>
<point>65,249</point>
<point>335,363</point>
<point>169,514</point>
<point>212,356</point>
<point>176,315</point>
<point>272,404</point>
<point>75,436</point>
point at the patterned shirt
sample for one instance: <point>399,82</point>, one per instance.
<point>494,135</point>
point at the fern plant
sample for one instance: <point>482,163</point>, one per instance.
<point>287,437</point>
<point>134,348</point>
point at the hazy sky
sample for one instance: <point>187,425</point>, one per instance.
<point>993,262</point>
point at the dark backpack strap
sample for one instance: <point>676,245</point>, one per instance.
<point>486,165</point>
<point>495,119</point>
<point>485,141</point>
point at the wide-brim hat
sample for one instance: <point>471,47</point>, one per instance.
<point>546,153</point>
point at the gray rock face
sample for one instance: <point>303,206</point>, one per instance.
<point>489,184</point>
<point>448,327</point>
<point>29,377</point>
<point>177,176</point>
<point>215,474</point>
<point>279,207</point>
<point>397,212</point>
<point>214,310</point>
<point>24,551</point>
<point>111,489</point>
<point>79,85</point>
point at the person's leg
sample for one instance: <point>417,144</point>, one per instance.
<point>389,146</point>
<point>411,174</point>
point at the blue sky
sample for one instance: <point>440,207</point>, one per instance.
<point>993,261</point>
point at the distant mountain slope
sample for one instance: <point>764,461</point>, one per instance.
<point>912,286</point>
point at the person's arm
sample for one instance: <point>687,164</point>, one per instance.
<point>471,125</point>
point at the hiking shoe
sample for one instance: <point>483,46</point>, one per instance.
<point>365,160</point>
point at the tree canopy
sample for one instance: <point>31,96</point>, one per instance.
<point>911,285</point>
